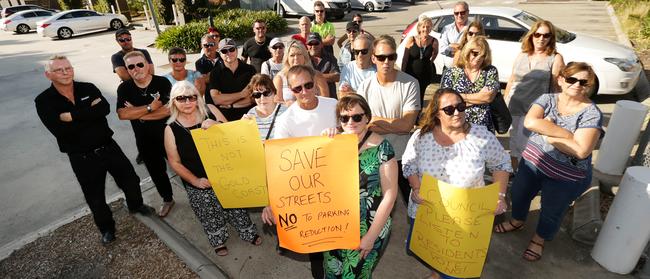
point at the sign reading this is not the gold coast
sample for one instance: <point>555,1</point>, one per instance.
<point>314,192</point>
<point>233,157</point>
<point>453,227</point>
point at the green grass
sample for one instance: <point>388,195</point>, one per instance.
<point>634,16</point>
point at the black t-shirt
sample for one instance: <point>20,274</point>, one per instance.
<point>149,131</point>
<point>256,52</point>
<point>117,59</point>
<point>224,80</point>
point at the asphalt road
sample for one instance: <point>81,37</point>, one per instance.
<point>37,184</point>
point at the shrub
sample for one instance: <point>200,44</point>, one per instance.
<point>235,23</point>
<point>102,6</point>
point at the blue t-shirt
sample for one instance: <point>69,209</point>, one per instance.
<point>190,77</point>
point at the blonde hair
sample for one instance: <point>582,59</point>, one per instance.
<point>422,19</point>
<point>527,45</point>
<point>480,43</point>
<point>52,58</point>
<point>463,39</point>
<point>185,88</point>
<point>303,51</point>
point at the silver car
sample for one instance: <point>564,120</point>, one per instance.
<point>24,21</point>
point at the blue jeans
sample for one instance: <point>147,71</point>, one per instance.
<point>557,195</point>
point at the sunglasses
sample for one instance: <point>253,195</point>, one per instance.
<point>460,13</point>
<point>206,45</point>
<point>214,36</point>
<point>572,80</point>
<point>260,28</point>
<point>307,86</point>
<point>352,31</point>
<point>475,53</point>
<point>259,94</point>
<point>449,110</point>
<point>355,117</point>
<point>390,57</point>
<point>471,34</point>
<point>122,40</point>
<point>319,11</point>
<point>185,98</point>
<point>360,51</point>
<point>545,35</point>
<point>226,50</point>
<point>132,66</point>
<point>278,46</point>
<point>175,60</point>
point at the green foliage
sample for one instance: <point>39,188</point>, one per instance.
<point>63,4</point>
<point>635,20</point>
<point>236,24</point>
<point>70,4</point>
<point>102,6</point>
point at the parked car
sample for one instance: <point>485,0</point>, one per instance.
<point>14,9</point>
<point>617,67</point>
<point>24,21</point>
<point>65,24</point>
<point>333,8</point>
<point>371,5</point>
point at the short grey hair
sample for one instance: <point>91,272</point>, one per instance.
<point>52,58</point>
<point>463,3</point>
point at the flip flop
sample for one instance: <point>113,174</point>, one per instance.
<point>500,228</point>
<point>257,240</point>
<point>531,255</point>
<point>221,251</point>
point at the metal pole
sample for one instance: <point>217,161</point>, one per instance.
<point>277,5</point>
<point>153,16</point>
<point>112,9</point>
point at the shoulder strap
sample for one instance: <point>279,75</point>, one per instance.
<point>277,110</point>
<point>365,138</point>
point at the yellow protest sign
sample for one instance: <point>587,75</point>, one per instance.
<point>233,157</point>
<point>453,227</point>
<point>314,192</point>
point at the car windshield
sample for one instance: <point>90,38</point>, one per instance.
<point>562,35</point>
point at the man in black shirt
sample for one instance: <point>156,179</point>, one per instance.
<point>75,113</point>
<point>208,61</point>
<point>124,39</point>
<point>323,62</point>
<point>256,50</point>
<point>229,83</point>
<point>142,100</point>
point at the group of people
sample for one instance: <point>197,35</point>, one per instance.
<point>290,89</point>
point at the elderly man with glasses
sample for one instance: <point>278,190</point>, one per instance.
<point>209,59</point>
<point>355,72</point>
<point>229,83</point>
<point>256,50</point>
<point>125,41</point>
<point>452,33</point>
<point>323,62</point>
<point>394,98</point>
<point>141,100</point>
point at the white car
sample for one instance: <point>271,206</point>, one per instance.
<point>333,8</point>
<point>617,67</point>
<point>24,21</point>
<point>65,24</point>
<point>371,5</point>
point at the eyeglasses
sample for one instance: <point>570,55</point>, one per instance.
<point>545,35</point>
<point>355,117</point>
<point>471,34</point>
<point>319,11</point>
<point>278,46</point>
<point>357,21</point>
<point>572,80</point>
<point>449,110</point>
<point>215,36</point>
<point>259,94</point>
<point>132,66</point>
<point>206,45</point>
<point>313,43</point>
<point>360,51</point>
<point>390,57</point>
<point>460,13</point>
<point>175,60</point>
<point>62,70</point>
<point>122,40</point>
<point>475,53</point>
<point>352,31</point>
<point>307,86</point>
<point>260,28</point>
<point>226,50</point>
<point>185,98</point>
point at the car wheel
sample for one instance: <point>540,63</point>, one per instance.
<point>22,28</point>
<point>116,24</point>
<point>369,7</point>
<point>283,12</point>
<point>64,33</point>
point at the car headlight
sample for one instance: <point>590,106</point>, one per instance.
<point>626,65</point>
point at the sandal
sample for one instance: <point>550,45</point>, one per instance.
<point>221,251</point>
<point>166,208</point>
<point>531,255</point>
<point>257,240</point>
<point>501,228</point>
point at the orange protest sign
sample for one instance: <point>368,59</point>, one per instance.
<point>314,192</point>
<point>233,157</point>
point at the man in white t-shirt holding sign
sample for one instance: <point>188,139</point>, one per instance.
<point>394,99</point>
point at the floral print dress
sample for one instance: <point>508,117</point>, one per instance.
<point>347,263</point>
<point>455,78</point>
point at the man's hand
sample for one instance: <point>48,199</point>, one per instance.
<point>65,117</point>
<point>156,103</point>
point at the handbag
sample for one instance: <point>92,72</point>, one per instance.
<point>500,113</point>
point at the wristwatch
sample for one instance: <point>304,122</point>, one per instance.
<point>149,108</point>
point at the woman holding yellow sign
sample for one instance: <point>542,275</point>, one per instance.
<point>452,150</point>
<point>189,111</point>
<point>377,193</point>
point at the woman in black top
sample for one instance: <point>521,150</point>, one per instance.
<point>189,111</point>
<point>419,53</point>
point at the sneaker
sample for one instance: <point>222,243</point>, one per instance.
<point>107,237</point>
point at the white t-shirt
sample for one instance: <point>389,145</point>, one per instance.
<point>271,68</point>
<point>354,75</point>
<point>297,122</point>
<point>392,101</point>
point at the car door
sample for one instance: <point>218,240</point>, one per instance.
<point>96,21</point>
<point>504,37</point>
<point>78,22</point>
<point>40,15</point>
<point>30,19</point>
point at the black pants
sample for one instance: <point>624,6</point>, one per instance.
<point>90,169</point>
<point>316,261</point>
<point>403,183</point>
<point>154,160</point>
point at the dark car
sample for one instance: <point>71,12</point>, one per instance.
<point>13,9</point>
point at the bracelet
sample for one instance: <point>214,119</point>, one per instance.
<point>503,195</point>
<point>149,108</point>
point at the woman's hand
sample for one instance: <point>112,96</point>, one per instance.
<point>501,206</point>
<point>248,117</point>
<point>208,123</point>
<point>415,195</point>
<point>202,183</point>
<point>365,246</point>
<point>267,216</point>
<point>330,132</point>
